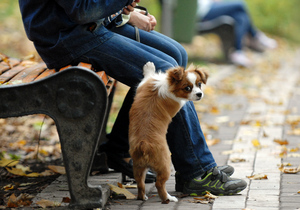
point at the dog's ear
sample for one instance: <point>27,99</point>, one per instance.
<point>203,74</point>
<point>176,73</point>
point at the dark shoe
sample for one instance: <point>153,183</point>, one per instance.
<point>100,163</point>
<point>228,170</point>
<point>215,182</point>
<point>118,164</point>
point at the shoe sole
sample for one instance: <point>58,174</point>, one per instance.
<point>203,192</point>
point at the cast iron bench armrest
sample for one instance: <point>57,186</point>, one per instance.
<point>76,98</point>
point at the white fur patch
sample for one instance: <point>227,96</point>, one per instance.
<point>192,77</point>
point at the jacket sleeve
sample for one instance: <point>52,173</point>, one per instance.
<point>87,11</point>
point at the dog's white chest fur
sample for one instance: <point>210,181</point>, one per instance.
<point>160,83</point>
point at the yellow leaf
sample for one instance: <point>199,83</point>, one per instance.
<point>8,163</point>
<point>297,155</point>
<point>46,203</point>
<point>295,132</point>
<point>34,175</point>
<point>16,171</point>
<point>258,123</point>
<point>258,176</point>
<point>122,191</point>
<point>214,110</point>
<point>57,169</point>
<point>211,142</point>
<point>256,143</point>
<point>8,187</point>
<point>48,173</point>
<point>296,149</point>
<point>209,195</point>
<point>237,160</point>
<point>281,142</point>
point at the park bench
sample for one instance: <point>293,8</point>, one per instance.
<point>77,98</point>
<point>223,26</point>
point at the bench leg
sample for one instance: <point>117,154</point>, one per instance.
<point>76,99</point>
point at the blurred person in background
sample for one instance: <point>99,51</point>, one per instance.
<point>243,28</point>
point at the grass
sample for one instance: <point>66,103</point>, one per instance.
<point>280,18</point>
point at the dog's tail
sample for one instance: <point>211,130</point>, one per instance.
<point>143,150</point>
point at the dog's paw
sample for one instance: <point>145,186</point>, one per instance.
<point>172,198</point>
<point>143,198</point>
<point>149,68</point>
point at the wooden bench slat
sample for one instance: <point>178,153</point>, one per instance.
<point>28,74</point>
<point>85,65</point>
<point>103,76</point>
<point>46,73</point>
<point>8,75</point>
<point>6,66</point>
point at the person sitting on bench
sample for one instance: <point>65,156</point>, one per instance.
<point>211,9</point>
<point>67,32</point>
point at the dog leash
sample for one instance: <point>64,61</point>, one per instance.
<point>137,32</point>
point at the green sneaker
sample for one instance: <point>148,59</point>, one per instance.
<point>229,170</point>
<point>215,182</point>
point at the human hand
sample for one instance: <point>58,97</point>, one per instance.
<point>140,20</point>
<point>130,8</point>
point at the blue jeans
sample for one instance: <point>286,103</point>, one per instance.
<point>238,11</point>
<point>123,58</point>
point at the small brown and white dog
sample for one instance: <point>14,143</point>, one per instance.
<point>158,98</point>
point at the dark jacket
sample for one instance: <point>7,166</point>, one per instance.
<point>61,29</point>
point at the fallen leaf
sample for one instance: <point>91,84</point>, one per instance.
<point>295,132</point>
<point>258,177</point>
<point>8,163</point>
<point>120,185</point>
<point>292,170</point>
<point>293,155</point>
<point>66,200</point>
<point>8,187</point>
<point>16,171</point>
<point>48,173</point>
<point>214,110</point>
<point>211,142</point>
<point>33,175</point>
<point>200,200</point>
<point>23,168</point>
<point>237,160</point>
<point>12,201</point>
<point>122,191</point>
<point>296,149</point>
<point>21,200</point>
<point>256,143</point>
<point>57,169</point>
<point>209,195</point>
<point>46,203</point>
<point>281,142</point>
<point>265,134</point>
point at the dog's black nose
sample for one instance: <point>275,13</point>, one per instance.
<point>199,95</point>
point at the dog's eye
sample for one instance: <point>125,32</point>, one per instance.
<point>188,88</point>
<point>199,84</point>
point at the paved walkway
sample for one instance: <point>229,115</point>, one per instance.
<point>243,108</point>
